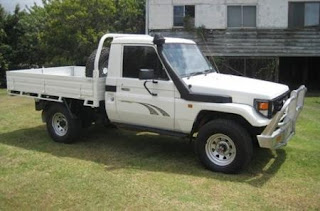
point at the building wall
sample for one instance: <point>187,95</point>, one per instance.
<point>160,14</point>
<point>213,13</point>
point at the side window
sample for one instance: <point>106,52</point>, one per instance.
<point>141,57</point>
<point>241,16</point>
<point>304,14</point>
<point>178,15</point>
<point>183,15</point>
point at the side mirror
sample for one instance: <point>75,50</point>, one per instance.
<point>146,74</point>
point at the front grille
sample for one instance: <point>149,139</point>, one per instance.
<point>279,101</point>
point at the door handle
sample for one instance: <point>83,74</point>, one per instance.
<point>125,89</point>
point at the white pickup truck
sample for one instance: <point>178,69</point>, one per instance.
<point>164,85</point>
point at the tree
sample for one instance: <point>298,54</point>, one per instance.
<point>3,36</point>
<point>31,48</point>
<point>63,32</point>
<point>20,45</point>
<point>130,16</point>
<point>4,48</point>
<point>74,28</point>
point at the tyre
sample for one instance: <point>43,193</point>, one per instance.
<point>224,146</point>
<point>61,126</point>
<point>103,62</point>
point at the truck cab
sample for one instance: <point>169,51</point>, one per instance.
<point>166,85</point>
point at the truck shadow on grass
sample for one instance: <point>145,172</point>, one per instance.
<point>119,149</point>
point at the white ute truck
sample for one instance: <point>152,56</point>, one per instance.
<point>167,86</point>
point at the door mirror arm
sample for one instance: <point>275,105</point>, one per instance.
<point>145,86</point>
<point>148,75</point>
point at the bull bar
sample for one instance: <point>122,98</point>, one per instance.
<point>282,126</point>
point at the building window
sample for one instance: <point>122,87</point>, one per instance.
<point>241,16</point>
<point>304,14</point>
<point>141,57</point>
<point>182,14</point>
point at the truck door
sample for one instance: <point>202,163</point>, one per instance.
<point>135,105</point>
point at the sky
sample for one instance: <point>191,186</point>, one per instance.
<point>9,5</point>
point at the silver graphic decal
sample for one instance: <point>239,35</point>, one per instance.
<point>160,110</point>
<point>152,108</point>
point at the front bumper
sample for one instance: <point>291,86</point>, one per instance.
<point>282,126</point>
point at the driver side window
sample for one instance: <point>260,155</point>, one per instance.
<point>141,57</point>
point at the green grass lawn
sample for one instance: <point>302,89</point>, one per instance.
<point>117,169</point>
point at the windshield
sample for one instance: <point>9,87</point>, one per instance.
<point>186,59</point>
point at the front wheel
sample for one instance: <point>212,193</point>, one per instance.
<point>224,146</point>
<point>60,124</point>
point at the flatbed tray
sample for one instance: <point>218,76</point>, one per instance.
<point>56,83</point>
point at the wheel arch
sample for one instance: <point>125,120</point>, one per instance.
<point>44,105</point>
<point>76,110</point>
<point>205,116</point>
<point>72,106</point>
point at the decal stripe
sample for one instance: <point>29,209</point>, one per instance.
<point>152,108</point>
<point>160,110</point>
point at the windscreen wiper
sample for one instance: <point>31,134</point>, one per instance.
<point>209,71</point>
<point>201,72</point>
<point>195,73</point>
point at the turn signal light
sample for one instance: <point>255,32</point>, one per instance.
<point>262,106</point>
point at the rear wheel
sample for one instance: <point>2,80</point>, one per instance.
<point>224,146</point>
<point>61,126</point>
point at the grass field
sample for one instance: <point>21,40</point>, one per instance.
<point>117,169</point>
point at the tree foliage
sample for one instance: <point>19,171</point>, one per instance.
<point>3,36</point>
<point>63,32</point>
<point>74,28</point>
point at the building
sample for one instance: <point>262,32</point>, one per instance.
<point>271,39</point>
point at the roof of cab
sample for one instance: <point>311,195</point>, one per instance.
<point>146,39</point>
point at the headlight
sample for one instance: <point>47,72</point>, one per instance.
<point>264,107</point>
<point>268,108</point>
